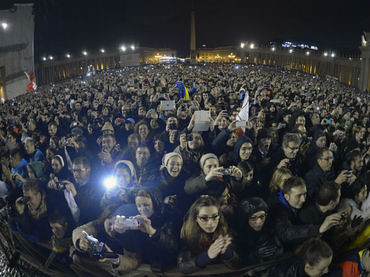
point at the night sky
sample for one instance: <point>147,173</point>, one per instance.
<point>73,25</point>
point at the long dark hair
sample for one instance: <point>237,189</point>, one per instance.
<point>194,237</point>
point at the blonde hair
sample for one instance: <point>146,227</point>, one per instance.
<point>276,182</point>
<point>194,237</point>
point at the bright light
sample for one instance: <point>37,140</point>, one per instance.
<point>84,53</point>
<point>102,50</point>
<point>251,46</point>
<point>290,51</point>
<point>4,25</point>
<point>273,49</point>
<point>350,58</point>
<point>110,182</point>
<point>132,47</point>
<point>123,48</point>
<point>242,45</point>
<point>51,58</point>
<point>308,53</point>
<point>332,55</point>
<point>68,56</point>
<point>325,54</point>
<point>44,58</point>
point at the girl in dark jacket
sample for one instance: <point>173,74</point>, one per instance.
<point>171,182</point>
<point>242,151</point>
<point>204,235</point>
<point>256,241</point>
<point>312,260</point>
<point>156,236</point>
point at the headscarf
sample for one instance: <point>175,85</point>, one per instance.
<point>130,166</point>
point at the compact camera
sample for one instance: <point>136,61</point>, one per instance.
<point>60,185</point>
<point>226,171</point>
<point>24,200</point>
<point>96,246</point>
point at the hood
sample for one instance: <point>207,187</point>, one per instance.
<point>239,144</point>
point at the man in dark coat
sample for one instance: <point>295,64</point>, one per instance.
<point>289,228</point>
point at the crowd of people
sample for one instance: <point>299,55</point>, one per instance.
<point>109,177</point>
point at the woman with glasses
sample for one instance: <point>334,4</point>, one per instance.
<point>256,241</point>
<point>205,236</point>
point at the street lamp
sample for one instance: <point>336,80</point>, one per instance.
<point>123,48</point>
<point>68,56</point>
<point>308,53</point>
<point>332,55</point>
<point>273,49</point>
<point>4,25</point>
<point>242,45</point>
<point>251,46</point>
<point>51,58</point>
<point>132,47</point>
<point>290,51</point>
<point>102,50</point>
<point>44,58</point>
<point>84,53</point>
<point>325,54</point>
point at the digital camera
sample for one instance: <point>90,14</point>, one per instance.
<point>60,185</point>
<point>226,171</point>
<point>96,246</point>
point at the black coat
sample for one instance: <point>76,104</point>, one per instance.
<point>188,262</point>
<point>88,200</point>
<point>295,165</point>
<point>315,178</point>
<point>294,267</point>
<point>256,247</point>
<point>290,230</point>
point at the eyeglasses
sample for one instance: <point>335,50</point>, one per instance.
<point>327,159</point>
<point>208,218</point>
<point>255,218</point>
<point>293,148</point>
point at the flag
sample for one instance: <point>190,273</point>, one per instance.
<point>244,111</point>
<point>182,91</point>
<point>32,85</point>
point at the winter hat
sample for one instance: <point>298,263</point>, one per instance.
<point>168,156</point>
<point>206,157</point>
<point>107,128</point>
<point>251,205</point>
<point>128,165</point>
